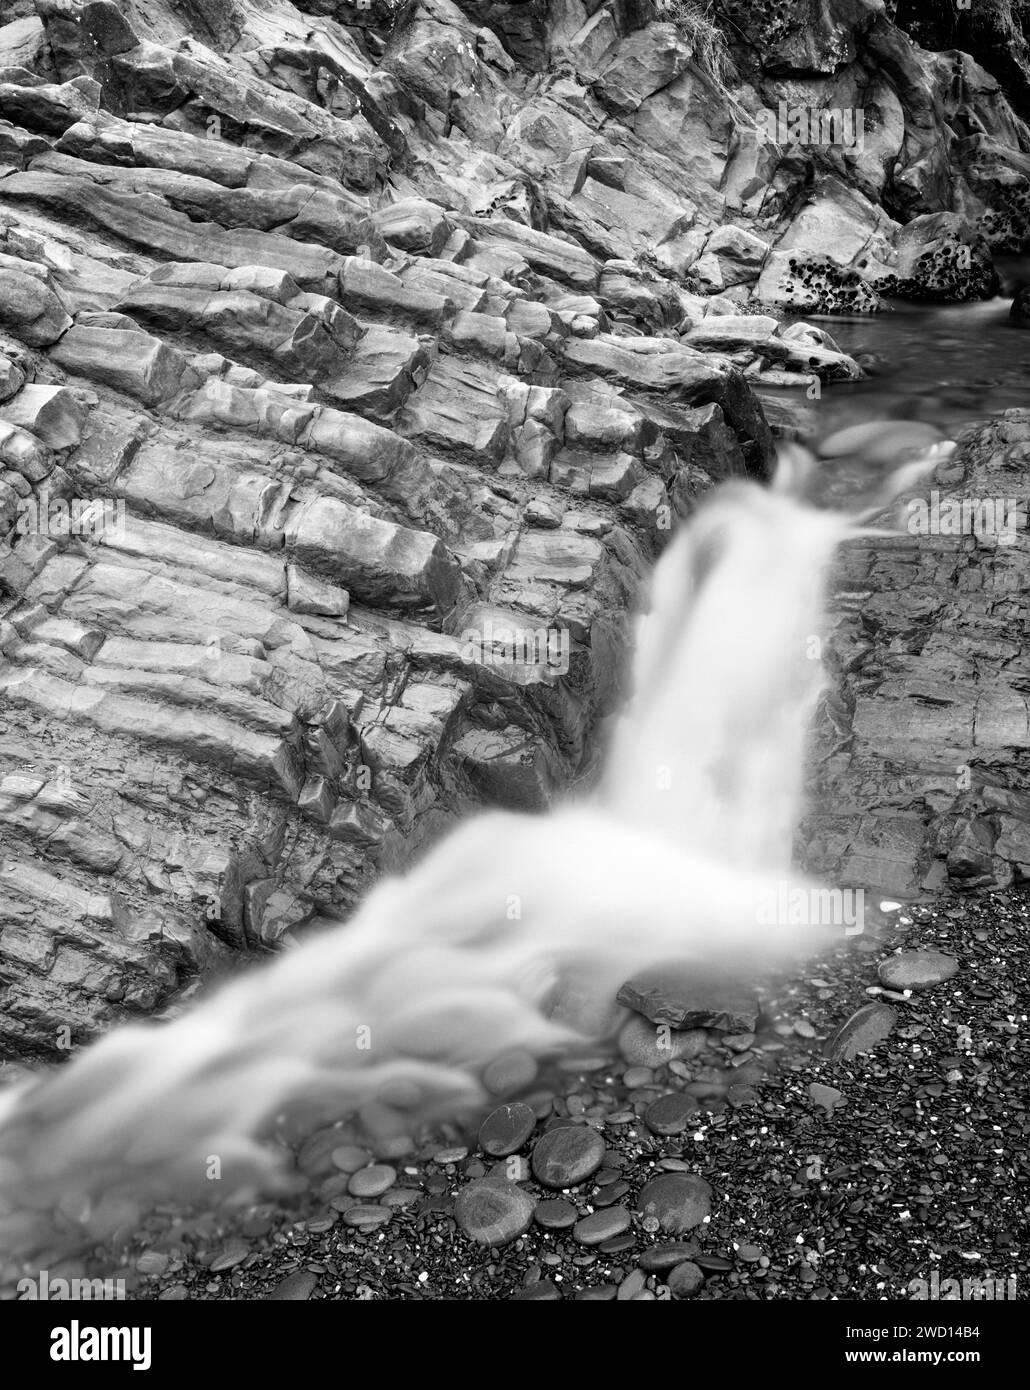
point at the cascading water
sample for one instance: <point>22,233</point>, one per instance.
<point>398,1010</point>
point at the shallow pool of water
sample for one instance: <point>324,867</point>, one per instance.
<point>948,365</point>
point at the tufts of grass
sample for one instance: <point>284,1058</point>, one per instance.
<point>695,19</point>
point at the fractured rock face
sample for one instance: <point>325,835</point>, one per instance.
<point>335,356</point>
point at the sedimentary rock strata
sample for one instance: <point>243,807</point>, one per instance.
<point>331,337</point>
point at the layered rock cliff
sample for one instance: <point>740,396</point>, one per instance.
<point>355,361</point>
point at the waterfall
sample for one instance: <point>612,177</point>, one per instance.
<point>676,855</point>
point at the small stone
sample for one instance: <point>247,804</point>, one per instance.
<point>295,1288</point>
<point>493,1211</point>
<point>685,1280</point>
<point>506,1129</point>
<point>568,1156</point>
<point>314,1157</point>
<point>740,1097</point>
<point>739,1042</point>
<point>632,1285</point>
<point>232,1253</point>
<point>349,1158</point>
<point>602,1226</point>
<point>555,1215</point>
<point>365,1218</point>
<point>865,1028</point>
<point>543,1291</point>
<point>678,1201</point>
<point>400,1197</point>
<point>618,1245</point>
<point>826,1096</point>
<point>634,1077</point>
<point>600,1293</point>
<point>645,1044</point>
<point>372,1181</point>
<point>662,1257</point>
<point>609,1195</point>
<point>916,970</point>
<point>670,1114</point>
<point>713,1264</point>
<point>512,1072</point>
<point>446,1156</point>
<point>152,1262</point>
<point>750,1254</point>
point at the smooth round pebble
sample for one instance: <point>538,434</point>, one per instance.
<point>511,1072</point>
<point>678,1201</point>
<point>662,1257</point>
<point>295,1288</point>
<point>713,1264</point>
<point>633,1077</point>
<point>670,1114</point>
<point>632,1285</point>
<point>400,1197</point>
<point>555,1215</point>
<point>603,1225</point>
<point>506,1129</point>
<point>643,1044</point>
<point>543,1291</point>
<point>916,970</point>
<point>493,1212</point>
<point>609,1195</point>
<point>685,1280</point>
<point>567,1156</point>
<point>446,1156</point>
<point>366,1217</point>
<point>372,1181</point>
<point>599,1293</point>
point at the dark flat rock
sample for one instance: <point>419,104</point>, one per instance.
<point>679,995</point>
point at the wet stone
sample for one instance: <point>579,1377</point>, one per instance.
<point>543,1291</point>
<point>618,1245</point>
<point>372,1181</point>
<point>510,1073</point>
<point>685,1280</point>
<point>295,1288</point>
<point>506,1129</point>
<point>634,1077</point>
<point>865,1028</point>
<point>348,1158</point>
<point>566,1157</point>
<point>632,1285</point>
<point>678,1201</point>
<point>493,1212</point>
<point>608,1195</point>
<point>602,1226</point>
<point>650,1045</point>
<point>916,970</point>
<point>366,1218</point>
<point>662,1257</point>
<point>740,1097</point>
<point>670,1114</point>
<point>555,1215</point>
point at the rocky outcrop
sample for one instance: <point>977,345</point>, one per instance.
<point>322,502</point>
<point>355,362</point>
<point>923,775</point>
